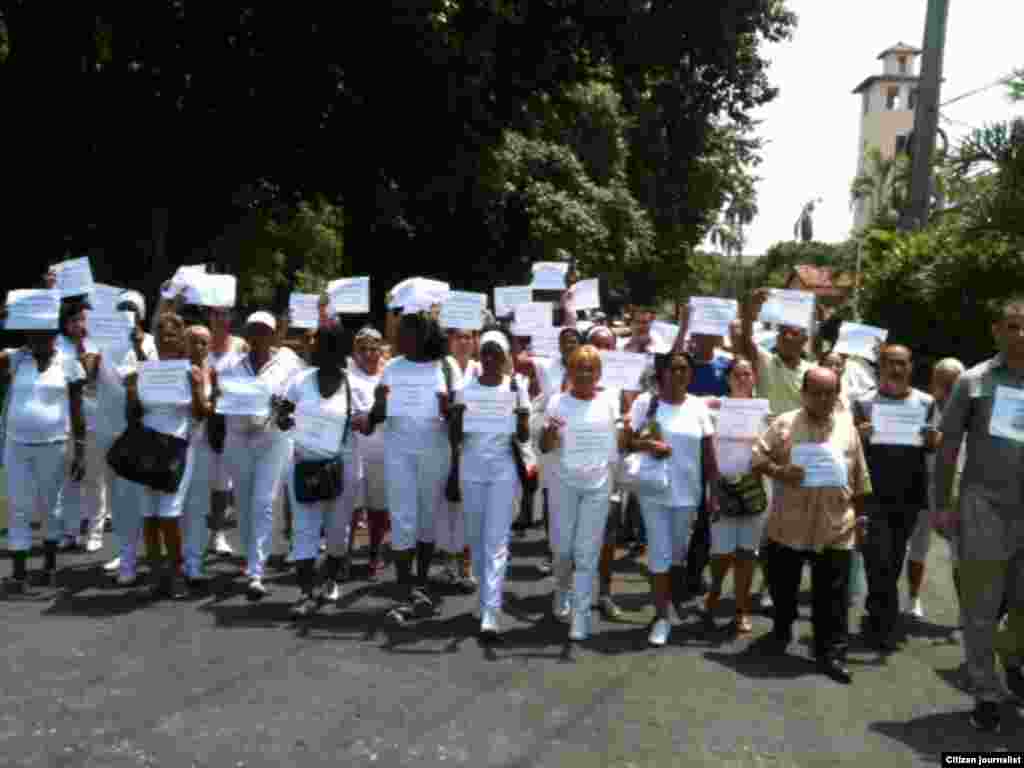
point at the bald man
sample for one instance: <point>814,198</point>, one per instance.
<point>815,456</point>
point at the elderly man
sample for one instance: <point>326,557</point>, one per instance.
<point>900,478</point>
<point>815,457</point>
<point>986,405</point>
<point>780,374</point>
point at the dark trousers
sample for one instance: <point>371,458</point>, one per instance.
<point>699,551</point>
<point>830,603</point>
<point>890,527</point>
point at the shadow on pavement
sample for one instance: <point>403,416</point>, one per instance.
<point>931,735</point>
<point>757,662</point>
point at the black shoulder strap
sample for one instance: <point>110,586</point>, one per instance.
<point>348,406</point>
<point>446,368</point>
<point>652,408</point>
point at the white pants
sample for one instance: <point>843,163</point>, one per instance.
<point>140,502</point>
<point>578,521</point>
<point>197,506</point>
<point>668,534</point>
<point>255,463</point>
<point>450,525</point>
<point>335,515</point>
<point>282,507</point>
<point>86,500</point>
<point>490,508</point>
<point>731,533</point>
<point>35,476</point>
<point>415,490</point>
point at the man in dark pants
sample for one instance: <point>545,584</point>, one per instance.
<point>900,479</point>
<point>815,457</point>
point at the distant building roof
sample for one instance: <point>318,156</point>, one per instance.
<point>868,82</point>
<point>821,281</point>
<point>900,47</point>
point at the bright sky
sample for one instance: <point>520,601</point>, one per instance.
<point>813,126</point>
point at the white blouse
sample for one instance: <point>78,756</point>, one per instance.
<point>39,409</point>
<point>304,392</point>
<point>277,374</point>
<point>588,445</point>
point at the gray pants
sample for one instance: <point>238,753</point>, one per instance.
<point>991,553</point>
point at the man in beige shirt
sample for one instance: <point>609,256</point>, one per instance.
<point>815,456</point>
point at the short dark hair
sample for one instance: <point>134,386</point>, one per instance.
<point>663,361</point>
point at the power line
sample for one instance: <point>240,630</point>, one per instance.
<point>1001,81</point>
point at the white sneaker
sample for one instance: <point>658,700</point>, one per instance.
<point>580,629</point>
<point>660,632</point>
<point>562,607</point>
<point>126,580</point>
<point>916,609</point>
<point>332,592</point>
<point>112,566</point>
<point>766,600</point>
<point>219,544</point>
<point>489,621</point>
<point>94,543</point>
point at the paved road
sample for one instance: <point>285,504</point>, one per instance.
<point>97,676</point>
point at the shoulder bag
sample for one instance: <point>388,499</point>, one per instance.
<point>323,479</point>
<point>642,473</point>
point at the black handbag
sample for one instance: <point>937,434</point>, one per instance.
<point>324,479</point>
<point>452,489</point>
<point>149,458</point>
<point>743,497</point>
<point>216,432</point>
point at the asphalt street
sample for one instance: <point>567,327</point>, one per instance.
<point>96,675</point>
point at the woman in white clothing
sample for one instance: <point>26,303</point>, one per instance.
<point>488,472</point>
<point>255,449</point>
<point>44,397</point>
<point>735,539</point>
<point>582,430</point>
<point>680,433</point>
<point>160,511</point>
<point>323,396</point>
<point>413,398</point>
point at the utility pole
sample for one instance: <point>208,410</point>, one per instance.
<point>926,118</point>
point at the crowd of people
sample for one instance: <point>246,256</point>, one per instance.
<point>383,428</point>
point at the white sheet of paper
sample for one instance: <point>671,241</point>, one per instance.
<point>243,396</point>
<point>586,294</point>
<point>823,467</point>
<point>1008,414</point>
<point>109,329</point>
<point>489,411</point>
<point>349,296</point>
<point>182,278</point>
<point>508,297</point>
<point>463,310</point>
<point>317,432</point>
<point>535,316</point>
<point>860,340</point>
<point>74,277</point>
<point>549,275</point>
<point>735,457</point>
<point>666,331</point>
<point>32,309</point>
<point>742,418</point>
<point>711,316</point>
<point>212,290</point>
<point>304,310</point>
<point>895,424</point>
<point>165,382</point>
<point>791,308</point>
<point>545,343</point>
<point>105,298</point>
<point>414,394</point>
<point>622,370</point>
<point>587,445</point>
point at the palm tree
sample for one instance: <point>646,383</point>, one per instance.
<point>882,184</point>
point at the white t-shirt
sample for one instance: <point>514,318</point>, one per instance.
<point>369,448</point>
<point>683,427</point>
<point>419,431</point>
<point>69,348</point>
<point>551,375</point>
<point>115,364</point>
<point>588,444</point>
<point>304,392</point>
<point>473,370</point>
<point>39,410</point>
<point>485,457</point>
<point>277,374</point>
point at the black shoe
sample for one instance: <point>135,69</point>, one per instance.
<point>14,586</point>
<point>306,606</point>
<point>256,590</point>
<point>197,584</point>
<point>1015,681</point>
<point>422,605</point>
<point>45,578</point>
<point>986,717</point>
<point>278,563</point>
<point>879,639</point>
<point>777,642</point>
<point>836,670</point>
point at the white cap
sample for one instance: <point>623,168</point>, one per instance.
<point>494,337</point>
<point>262,318</point>
<point>135,298</point>
<point>417,294</point>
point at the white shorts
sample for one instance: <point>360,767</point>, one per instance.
<point>729,534</point>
